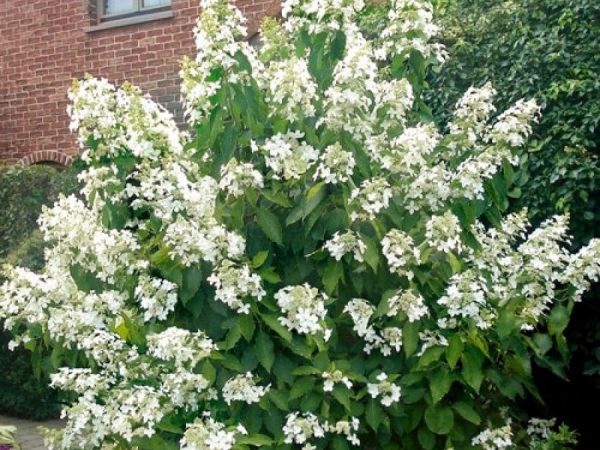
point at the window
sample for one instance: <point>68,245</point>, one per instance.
<point>112,9</point>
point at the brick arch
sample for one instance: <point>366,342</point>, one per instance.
<point>49,156</point>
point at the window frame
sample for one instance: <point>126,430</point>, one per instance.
<point>140,10</point>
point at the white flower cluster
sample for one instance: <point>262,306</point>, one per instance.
<point>400,252</point>
<point>287,156</point>
<point>388,391</point>
<point>81,381</point>
<point>319,15</point>
<point>472,112</point>
<point>217,45</point>
<point>304,307</point>
<point>540,428</point>
<point>184,348</point>
<point>185,389</point>
<point>410,151</point>
<point>237,177</point>
<point>584,268</point>
<point>156,296</point>
<point>205,433</point>
<point>494,438</point>
<point>335,165</point>
<point>171,189</point>
<point>373,196</point>
<point>128,412</point>
<point>120,121</point>
<point>430,339</point>
<point>347,101</point>
<point>192,242</point>
<point>361,313</point>
<point>348,242</point>
<point>466,297</point>
<point>514,125</point>
<point>331,378</point>
<point>443,233</point>
<point>300,428</point>
<point>410,27</point>
<point>234,283</point>
<point>393,100</point>
<point>408,302</point>
<point>79,238</point>
<point>291,91</point>
<point>243,388</point>
<point>347,428</point>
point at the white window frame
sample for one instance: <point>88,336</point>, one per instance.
<point>140,9</point>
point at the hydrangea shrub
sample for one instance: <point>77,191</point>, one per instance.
<point>313,266</point>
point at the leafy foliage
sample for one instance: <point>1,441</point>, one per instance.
<point>23,193</point>
<point>550,50</point>
<point>545,49</point>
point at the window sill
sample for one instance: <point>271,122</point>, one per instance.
<point>134,20</point>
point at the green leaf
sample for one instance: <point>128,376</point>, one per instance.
<point>426,438</point>
<point>192,278</point>
<point>311,402</point>
<point>558,320</point>
<point>170,425</point>
<point>115,216</point>
<point>269,275</point>
<point>431,356</point>
<point>279,198</point>
<point>332,275</point>
<point>342,395</point>
<point>247,326</point>
<point>259,259</point>
<point>256,440</point>
<point>208,371</point>
<point>439,419</point>
<point>233,336</point>
<point>374,414</point>
<point>507,323</point>
<point>371,253</point>
<point>314,196</point>
<point>273,323</point>
<point>338,44</point>
<point>440,383</point>
<point>467,412</point>
<point>306,370</point>
<point>279,398</point>
<point>301,387</point>
<point>472,367</point>
<point>410,337</point>
<point>269,223</point>
<point>454,350</point>
<point>85,281</point>
<point>265,350</point>
<point>339,443</point>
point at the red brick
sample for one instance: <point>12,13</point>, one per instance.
<point>44,46</point>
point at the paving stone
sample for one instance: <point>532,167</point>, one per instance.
<point>27,431</point>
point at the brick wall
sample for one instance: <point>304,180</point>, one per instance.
<point>44,44</point>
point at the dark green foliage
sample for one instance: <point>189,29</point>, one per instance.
<point>550,50</point>
<point>21,394</point>
<point>547,49</point>
<point>23,192</point>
